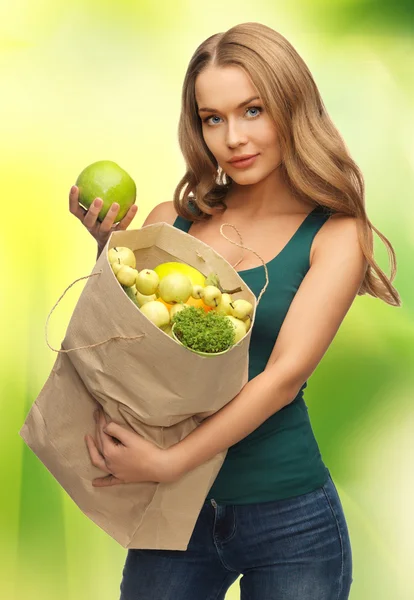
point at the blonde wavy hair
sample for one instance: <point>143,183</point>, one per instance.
<point>316,164</point>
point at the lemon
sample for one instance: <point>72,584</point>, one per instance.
<point>167,268</point>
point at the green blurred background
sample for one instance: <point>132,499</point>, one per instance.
<point>92,80</point>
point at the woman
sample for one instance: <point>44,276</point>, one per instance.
<point>273,514</point>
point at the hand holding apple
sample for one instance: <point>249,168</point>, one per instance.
<point>89,218</point>
<point>107,180</point>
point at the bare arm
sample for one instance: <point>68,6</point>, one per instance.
<point>317,310</point>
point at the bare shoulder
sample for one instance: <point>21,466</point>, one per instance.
<point>322,300</point>
<point>338,235</point>
<point>162,213</point>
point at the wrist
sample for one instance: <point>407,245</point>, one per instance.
<point>100,248</point>
<point>171,468</point>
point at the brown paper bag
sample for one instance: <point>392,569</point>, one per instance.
<point>112,354</point>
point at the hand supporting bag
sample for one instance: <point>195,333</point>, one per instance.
<point>112,354</point>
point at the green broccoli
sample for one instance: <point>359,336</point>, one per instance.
<point>203,332</point>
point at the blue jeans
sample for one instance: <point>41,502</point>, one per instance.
<point>292,549</point>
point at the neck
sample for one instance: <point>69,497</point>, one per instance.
<point>266,198</point>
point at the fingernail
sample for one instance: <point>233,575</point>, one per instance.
<point>97,202</point>
<point>73,189</point>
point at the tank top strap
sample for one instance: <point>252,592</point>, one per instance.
<point>183,224</point>
<point>313,222</point>
<point>299,250</point>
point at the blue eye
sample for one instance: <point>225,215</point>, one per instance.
<point>258,108</point>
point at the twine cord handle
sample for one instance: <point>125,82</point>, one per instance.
<point>251,250</point>
<point>115,337</point>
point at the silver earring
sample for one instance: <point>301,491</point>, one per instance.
<point>221,177</point>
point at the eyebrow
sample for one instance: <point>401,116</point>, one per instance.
<point>205,109</point>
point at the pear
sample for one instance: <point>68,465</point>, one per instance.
<point>123,254</point>
<point>127,275</point>
<point>241,309</point>
<point>213,279</point>
<point>147,282</point>
<point>168,331</point>
<point>116,265</point>
<point>176,308</point>
<point>224,307</point>
<point>247,322</point>
<point>211,296</point>
<point>131,293</point>
<point>198,291</point>
<point>143,299</point>
<point>239,328</point>
<point>156,312</point>
<point>175,287</point>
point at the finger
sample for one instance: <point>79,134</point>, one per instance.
<point>126,221</point>
<point>90,218</point>
<point>107,441</point>
<point>108,221</point>
<point>98,438</point>
<point>96,458</point>
<point>100,424</point>
<point>106,481</point>
<point>74,206</point>
<point>119,432</point>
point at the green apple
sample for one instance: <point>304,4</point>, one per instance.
<point>126,275</point>
<point>106,180</point>
<point>157,313</point>
<point>147,282</point>
<point>122,254</point>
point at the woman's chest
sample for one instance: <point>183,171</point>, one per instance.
<point>266,238</point>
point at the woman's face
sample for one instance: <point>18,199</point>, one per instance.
<point>230,130</point>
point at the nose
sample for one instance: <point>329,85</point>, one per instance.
<point>235,134</point>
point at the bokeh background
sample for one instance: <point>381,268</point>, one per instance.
<point>95,79</point>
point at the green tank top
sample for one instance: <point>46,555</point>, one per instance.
<point>281,458</point>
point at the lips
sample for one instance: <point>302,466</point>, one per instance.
<point>241,157</point>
